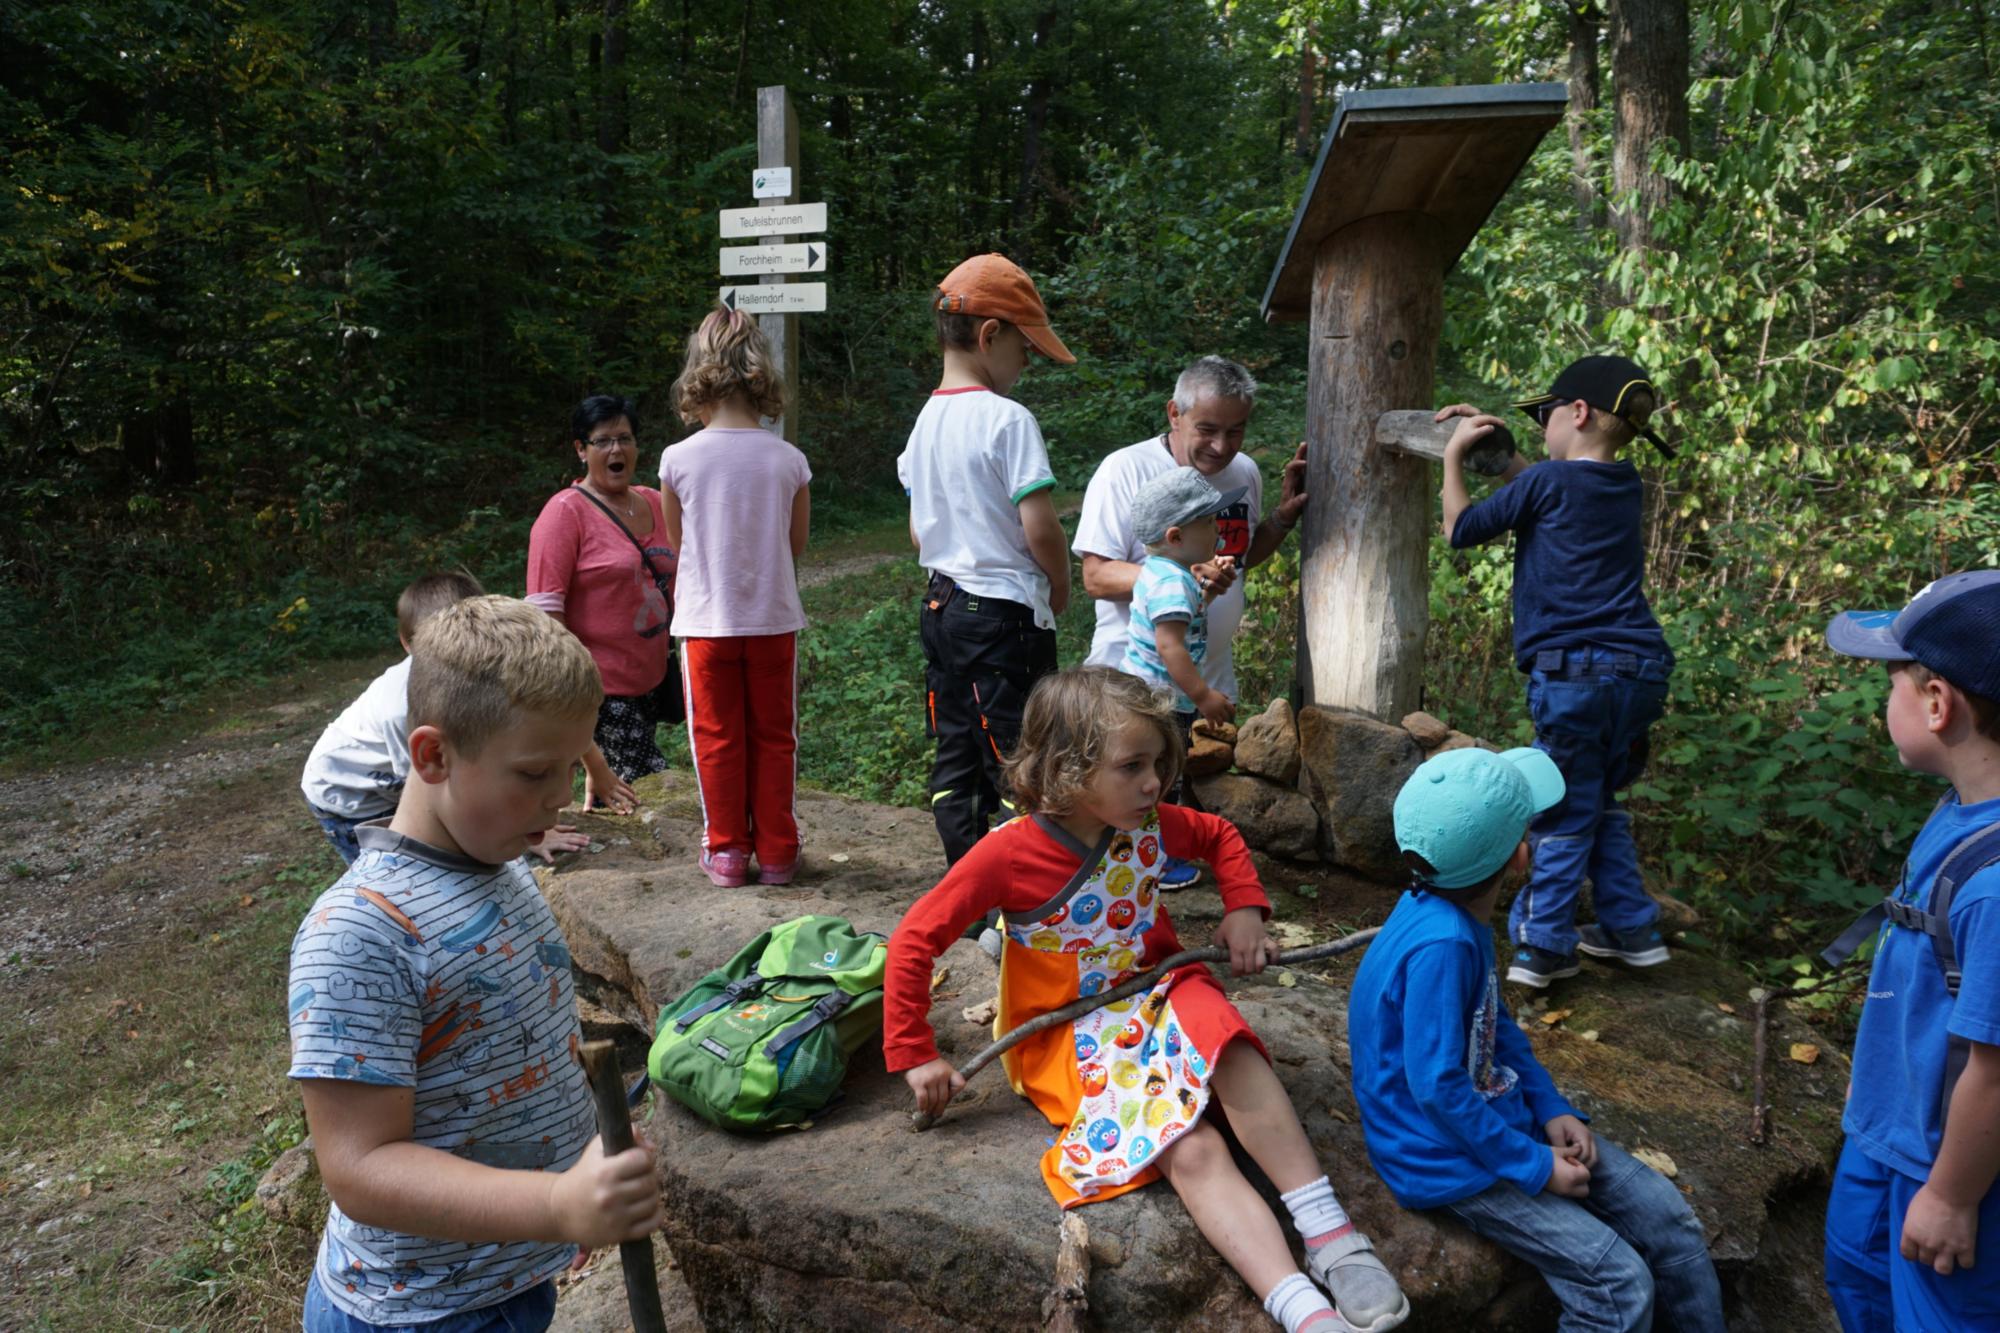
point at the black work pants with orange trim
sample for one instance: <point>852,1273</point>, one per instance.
<point>981,657</point>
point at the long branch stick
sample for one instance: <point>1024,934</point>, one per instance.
<point>1075,1009</point>
<point>614,1124</point>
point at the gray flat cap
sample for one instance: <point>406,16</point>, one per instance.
<point>1174,499</point>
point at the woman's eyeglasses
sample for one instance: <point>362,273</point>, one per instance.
<point>607,441</point>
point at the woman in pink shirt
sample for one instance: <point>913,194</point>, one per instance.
<point>737,509</point>
<point>600,561</point>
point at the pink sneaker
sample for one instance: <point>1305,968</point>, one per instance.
<point>726,869</point>
<point>777,874</point>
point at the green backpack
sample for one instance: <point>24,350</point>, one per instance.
<point>762,1042</point>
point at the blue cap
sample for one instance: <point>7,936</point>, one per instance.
<point>1465,811</point>
<point>1952,626</point>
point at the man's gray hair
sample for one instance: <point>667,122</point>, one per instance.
<point>1214,377</point>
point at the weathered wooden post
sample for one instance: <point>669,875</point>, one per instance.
<point>1405,178</point>
<point>778,146</point>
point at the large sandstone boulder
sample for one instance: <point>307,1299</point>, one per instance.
<point>1267,746</point>
<point>857,1223</point>
<point>1353,766</point>
<point>1275,819</point>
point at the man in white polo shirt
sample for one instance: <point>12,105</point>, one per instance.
<point>1206,420</point>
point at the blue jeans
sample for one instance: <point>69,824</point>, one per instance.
<point>1632,1248</point>
<point>1591,714</point>
<point>339,830</point>
<point>530,1312</point>
<point>1873,1286</point>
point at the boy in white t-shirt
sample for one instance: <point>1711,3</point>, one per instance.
<point>983,518</point>
<point>357,769</point>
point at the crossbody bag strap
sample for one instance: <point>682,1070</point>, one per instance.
<point>1092,856</point>
<point>659,579</point>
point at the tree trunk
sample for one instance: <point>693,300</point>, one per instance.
<point>611,93</point>
<point>742,54</point>
<point>1031,140</point>
<point>1649,71</point>
<point>1308,72</point>
<point>1583,87</point>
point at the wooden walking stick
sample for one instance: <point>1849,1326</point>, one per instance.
<point>614,1125</point>
<point>1076,1009</point>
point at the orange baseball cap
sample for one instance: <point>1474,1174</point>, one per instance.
<point>997,287</point>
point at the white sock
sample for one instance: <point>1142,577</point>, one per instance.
<point>1317,1214</point>
<point>1301,1307</point>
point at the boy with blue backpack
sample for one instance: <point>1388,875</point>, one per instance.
<point>1913,1221</point>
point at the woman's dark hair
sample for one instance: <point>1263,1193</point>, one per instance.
<point>599,408</point>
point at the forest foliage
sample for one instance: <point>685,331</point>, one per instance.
<point>297,294</point>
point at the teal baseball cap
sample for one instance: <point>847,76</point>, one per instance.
<point>1465,811</point>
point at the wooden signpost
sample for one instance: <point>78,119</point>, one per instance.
<point>778,219</point>
<point>1405,179</point>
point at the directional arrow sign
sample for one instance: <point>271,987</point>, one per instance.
<point>779,220</point>
<point>777,298</point>
<point>741,259</point>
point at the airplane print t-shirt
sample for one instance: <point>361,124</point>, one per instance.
<point>422,969</point>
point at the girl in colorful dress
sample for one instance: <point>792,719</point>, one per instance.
<point>1077,887</point>
<point>737,510</point>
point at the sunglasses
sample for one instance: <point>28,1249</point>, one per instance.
<point>1543,411</point>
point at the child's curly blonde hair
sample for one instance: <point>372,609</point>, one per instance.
<point>1068,725</point>
<point>728,354</point>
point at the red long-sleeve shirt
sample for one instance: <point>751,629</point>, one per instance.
<point>1016,868</point>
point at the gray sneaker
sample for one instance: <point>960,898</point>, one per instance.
<point>1538,967</point>
<point>1643,947</point>
<point>1364,1292</point>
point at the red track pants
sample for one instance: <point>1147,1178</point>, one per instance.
<point>742,711</point>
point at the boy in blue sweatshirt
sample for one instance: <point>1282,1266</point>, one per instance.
<point>1913,1223</point>
<point>1596,661</point>
<point>1458,1114</point>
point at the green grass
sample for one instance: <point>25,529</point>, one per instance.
<point>156,1078</point>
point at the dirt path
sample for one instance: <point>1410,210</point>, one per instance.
<point>145,907</point>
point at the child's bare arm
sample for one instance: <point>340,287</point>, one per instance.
<point>1047,544</point>
<point>801,521</point>
<point>670,512</point>
<point>1942,1225</point>
<point>361,1137</point>
<point>1170,636</point>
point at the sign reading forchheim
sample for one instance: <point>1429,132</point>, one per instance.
<point>738,260</point>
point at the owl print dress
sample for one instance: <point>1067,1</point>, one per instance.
<point>1126,1081</point>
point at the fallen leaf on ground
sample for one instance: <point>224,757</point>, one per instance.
<point>938,977</point>
<point>1555,1016</point>
<point>1658,1160</point>
<point>983,1013</point>
<point>247,900</point>
<point>1590,1035</point>
<point>1727,1008</point>
<point>838,858</point>
<point>1287,979</point>
<point>1804,1052</point>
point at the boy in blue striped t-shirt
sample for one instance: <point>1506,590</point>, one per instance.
<point>1173,515</point>
<point>434,1031</point>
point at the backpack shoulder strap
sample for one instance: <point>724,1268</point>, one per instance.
<point>1974,852</point>
<point>1891,908</point>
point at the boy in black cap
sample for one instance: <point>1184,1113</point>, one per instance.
<point>1913,1219</point>
<point>1596,662</point>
